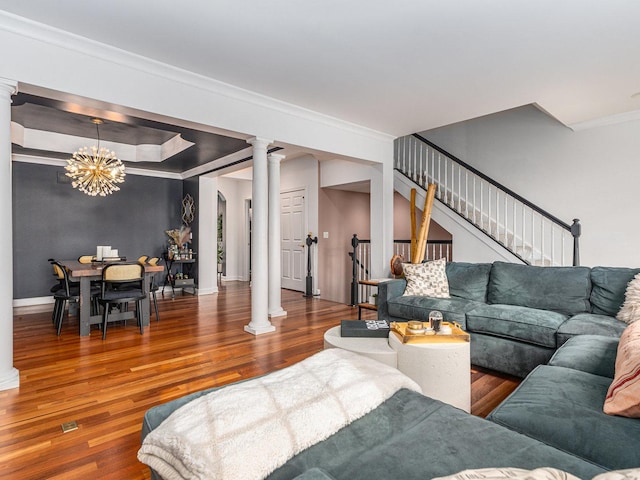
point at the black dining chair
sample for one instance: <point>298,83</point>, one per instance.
<point>115,275</point>
<point>67,291</point>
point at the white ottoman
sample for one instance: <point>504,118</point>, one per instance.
<point>375,348</point>
<point>443,370</point>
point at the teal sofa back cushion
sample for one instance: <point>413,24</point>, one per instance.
<point>560,289</point>
<point>468,280</point>
<point>609,286</point>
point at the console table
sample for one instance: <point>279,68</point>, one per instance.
<point>182,267</point>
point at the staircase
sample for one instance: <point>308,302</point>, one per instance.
<point>517,225</point>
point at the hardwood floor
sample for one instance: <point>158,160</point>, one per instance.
<point>106,386</point>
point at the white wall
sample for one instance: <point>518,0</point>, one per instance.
<point>301,172</point>
<point>236,192</point>
<point>590,174</point>
<point>42,57</point>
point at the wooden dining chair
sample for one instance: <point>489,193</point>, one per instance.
<point>115,275</point>
<point>84,259</point>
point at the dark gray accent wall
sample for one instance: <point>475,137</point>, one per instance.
<point>51,219</point>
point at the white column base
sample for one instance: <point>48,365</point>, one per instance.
<point>278,313</point>
<point>10,380</point>
<point>259,330</point>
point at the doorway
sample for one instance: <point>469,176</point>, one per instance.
<point>293,226</point>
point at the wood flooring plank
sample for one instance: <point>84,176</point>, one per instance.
<point>106,386</point>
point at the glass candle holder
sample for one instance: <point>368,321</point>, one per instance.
<point>435,320</point>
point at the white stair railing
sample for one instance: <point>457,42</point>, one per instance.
<point>527,231</point>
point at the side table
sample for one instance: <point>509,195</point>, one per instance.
<point>374,348</point>
<point>441,369</point>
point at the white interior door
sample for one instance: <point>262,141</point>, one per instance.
<point>293,223</point>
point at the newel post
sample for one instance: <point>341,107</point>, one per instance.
<point>354,279</point>
<point>576,231</point>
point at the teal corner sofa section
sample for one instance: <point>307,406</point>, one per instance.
<point>561,405</point>
<point>518,315</point>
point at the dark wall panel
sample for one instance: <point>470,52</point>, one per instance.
<point>51,219</point>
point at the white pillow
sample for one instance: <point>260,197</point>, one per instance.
<point>427,279</point>
<point>630,474</point>
<point>630,311</point>
<point>545,473</point>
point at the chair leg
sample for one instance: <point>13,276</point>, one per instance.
<point>139,315</point>
<point>54,314</point>
<point>155,305</point>
<point>105,318</point>
<point>60,316</point>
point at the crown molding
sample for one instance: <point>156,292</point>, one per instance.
<point>57,162</point>
<point>70,41</point>
<point>606,121</point>
<point>62,143</point>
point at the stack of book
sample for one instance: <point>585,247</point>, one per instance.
<point>364,328</point>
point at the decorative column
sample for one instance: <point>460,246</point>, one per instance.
<point>275,265</point>
<point>9,376</point>
<point>259,238</point>
<point>381,233</point>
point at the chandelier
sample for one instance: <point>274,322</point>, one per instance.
<point>95,170</point>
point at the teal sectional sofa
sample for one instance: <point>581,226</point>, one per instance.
<point>553,419</point>
<point>518,315</point>
<point>560,404</point>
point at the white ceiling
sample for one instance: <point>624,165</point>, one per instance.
<point>398,66</point>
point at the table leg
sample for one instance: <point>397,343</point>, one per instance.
<point>85,306</point>
<point>145,303</point>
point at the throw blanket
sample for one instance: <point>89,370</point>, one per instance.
<point>247,430</point>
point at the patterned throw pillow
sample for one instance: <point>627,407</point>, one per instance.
<point>623,397</point>
<point>427,279</point>
<point>545,473</point>
<point>627,474</point>
<point>630,311</point>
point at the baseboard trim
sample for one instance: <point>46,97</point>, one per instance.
<point>30,302</point>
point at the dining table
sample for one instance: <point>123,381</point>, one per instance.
<point>88,272</point>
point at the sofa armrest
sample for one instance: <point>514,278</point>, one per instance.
<point>387,290</point>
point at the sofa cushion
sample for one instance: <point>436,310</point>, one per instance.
<point>520,323</point>
<point>427,279</point>
<point>589,353</point>
<point>623,397</point>
<point>590,324</point>
<point>609,285</point>
<point>314,474</point>
<point>376,445</point>
<point>562,407</point>
<point>561,289</point>
<point>468,280</point>
<point>417,308</point>
<point>513,357</point>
